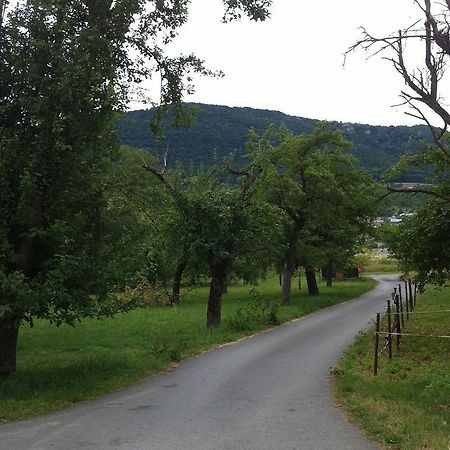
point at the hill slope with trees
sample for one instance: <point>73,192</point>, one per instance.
<point>221,130</point>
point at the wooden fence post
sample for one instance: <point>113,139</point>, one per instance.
<point>399,330</point>
<point>411,300</point>
<point>377,344</point>
<point>408,305</point>
<point>389,328</point>
<point>406,294</point>
<point>401,305</point>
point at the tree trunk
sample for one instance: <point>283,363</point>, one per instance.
<point>218,280</point>
<point>289,268</point>
<point>9,332</point>
<point>179,269</point>
<point>329,274</point>
<point>312,282</point>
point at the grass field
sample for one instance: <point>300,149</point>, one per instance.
<point>407,405</point>
<point>380,265</point>
<point>61,366</point>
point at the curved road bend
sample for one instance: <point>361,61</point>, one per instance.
<point>268,392</point>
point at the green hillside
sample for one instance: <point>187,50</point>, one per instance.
<point>222,130</point>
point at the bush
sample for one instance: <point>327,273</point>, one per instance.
<point>259,310</point>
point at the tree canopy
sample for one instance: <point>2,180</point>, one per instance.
<point>66,68</point>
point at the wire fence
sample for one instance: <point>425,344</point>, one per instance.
<point>399,309</point>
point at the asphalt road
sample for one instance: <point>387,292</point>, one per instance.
<point>267,392</point>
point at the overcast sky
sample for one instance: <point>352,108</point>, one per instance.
<point>293,62</point>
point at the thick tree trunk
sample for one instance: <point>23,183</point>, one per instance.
<point>9,331</point>
<point>289,268</point>
<point>218,280</point>
<point>311,281</point>
<point>179,269</point>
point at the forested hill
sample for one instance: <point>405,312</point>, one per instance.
<point>222,130</point>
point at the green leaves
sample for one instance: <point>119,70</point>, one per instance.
<point>256,10</point>
<point>423,244</point>
<point>324,200</point>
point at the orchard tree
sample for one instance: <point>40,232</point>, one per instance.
<point>224,223</point>
<point>317,188</point>
<point>177,223</point>
<point>66,68</point>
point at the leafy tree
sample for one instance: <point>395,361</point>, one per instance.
<point>320,193</point>
<point>222,223</point>
<point>423,244</point>
<point>66,67</point>
<point>134,204</point>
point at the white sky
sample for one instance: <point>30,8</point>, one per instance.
<point>293,62</point>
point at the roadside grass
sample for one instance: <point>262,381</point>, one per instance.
<point>381,265</point>
<point>407,405</point>
<point>61,366</point>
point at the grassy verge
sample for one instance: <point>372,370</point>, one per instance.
<point>407,405</point>
<point>65,365</point>
<point>381,265</point>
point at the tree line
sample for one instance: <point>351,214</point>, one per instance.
<point>217,129</point>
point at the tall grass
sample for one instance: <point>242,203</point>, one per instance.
<point>381,265</point>
<point>65,365</point>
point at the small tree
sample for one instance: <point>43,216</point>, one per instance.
<point>221,222</point>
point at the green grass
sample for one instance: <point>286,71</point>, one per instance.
<point>407,405</point>
<point>377,265</point>
<point>61,366</point>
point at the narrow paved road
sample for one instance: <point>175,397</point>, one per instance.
<point>268,392</point>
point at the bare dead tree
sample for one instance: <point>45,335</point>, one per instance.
<point>422,95</point>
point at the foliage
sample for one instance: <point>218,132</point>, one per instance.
<point>217,223</point>
<point>323,200</point>
<point>386,234</point>
<point>220,130</point>
<point>423,244</point>
<point>259,309</point>
<point>55,135</point>
<point>66,69</point>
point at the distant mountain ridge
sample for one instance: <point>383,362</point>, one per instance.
<point>221,130</point>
